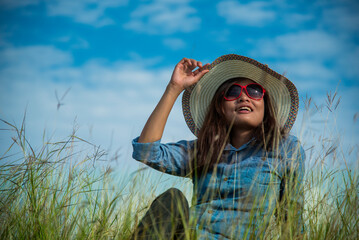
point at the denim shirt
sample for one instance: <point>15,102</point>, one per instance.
<point>236,199</point>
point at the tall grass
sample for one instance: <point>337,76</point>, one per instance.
<point>66,191</point>
<point>59,192</point>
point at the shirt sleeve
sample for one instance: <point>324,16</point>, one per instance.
<point>291,194</point>
<point>171,158</point>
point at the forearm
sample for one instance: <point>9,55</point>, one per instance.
<point>155,124</point>
<point>183,76</point>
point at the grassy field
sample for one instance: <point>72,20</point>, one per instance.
<point>62,192</point>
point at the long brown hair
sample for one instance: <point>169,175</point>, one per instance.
<point>215,131</point>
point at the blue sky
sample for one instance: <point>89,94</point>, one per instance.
<point>115,57</point>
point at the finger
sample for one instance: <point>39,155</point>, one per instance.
<point>181,64</point>
<point>188,63</point>
<point>191,63</point>
<point>194,62</point>
<point>183,60</point>
<point>196,72</point>
<point>201,74</point>
<point>201,68</point>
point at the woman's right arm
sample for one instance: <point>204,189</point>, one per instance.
<point>183,76</point>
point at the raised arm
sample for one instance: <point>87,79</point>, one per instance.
<point>183,76</point>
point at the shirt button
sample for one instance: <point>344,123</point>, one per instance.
<point>210,211</point>
<point>225,179</point>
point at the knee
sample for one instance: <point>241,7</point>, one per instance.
<point>174,194</point>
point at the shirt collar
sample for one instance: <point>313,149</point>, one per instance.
<point>229,146</point>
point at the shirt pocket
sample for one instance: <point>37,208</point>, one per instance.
<point>266,177</point>
<point>261,177</point>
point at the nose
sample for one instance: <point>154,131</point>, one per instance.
<point>243,97</point>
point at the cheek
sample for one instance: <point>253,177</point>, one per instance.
<point>261,110</point>
<point>226,107</point>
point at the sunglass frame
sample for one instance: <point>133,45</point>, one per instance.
<point>245,89</point>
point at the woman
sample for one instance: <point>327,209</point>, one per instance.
<point>245,167</point>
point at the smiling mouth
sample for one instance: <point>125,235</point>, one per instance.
<point>244,110</point>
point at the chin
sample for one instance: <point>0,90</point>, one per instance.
<point>245,125</point>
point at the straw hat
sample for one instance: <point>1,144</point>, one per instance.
<point>283,93</point>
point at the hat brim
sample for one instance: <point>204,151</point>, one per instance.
<point>283,93</point>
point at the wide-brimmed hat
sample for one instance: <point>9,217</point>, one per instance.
<point>283,93</point>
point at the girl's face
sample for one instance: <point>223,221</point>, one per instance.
<point>245,112</point>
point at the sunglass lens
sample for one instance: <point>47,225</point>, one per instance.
<point>233,92</point>
<point>255,91</point>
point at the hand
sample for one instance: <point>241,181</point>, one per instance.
<point>183,75</point>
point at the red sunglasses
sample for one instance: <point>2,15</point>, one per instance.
<point>253,90</point>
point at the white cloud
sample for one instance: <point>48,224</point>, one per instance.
<point>251,14</point>
<point>314,49</point>
<point>108,98</point>
<point>74,41</point>
<point>296,19</point>
<point>344,19</point>
<point>349,61</point>
<point>164,17</point>
<point>304,44</point>
<point>38,56</point>
<point>91,12</point>
<point>310,76</point>
<point>84,11</point>
<point>174,43</point>
<point>105,98</point>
